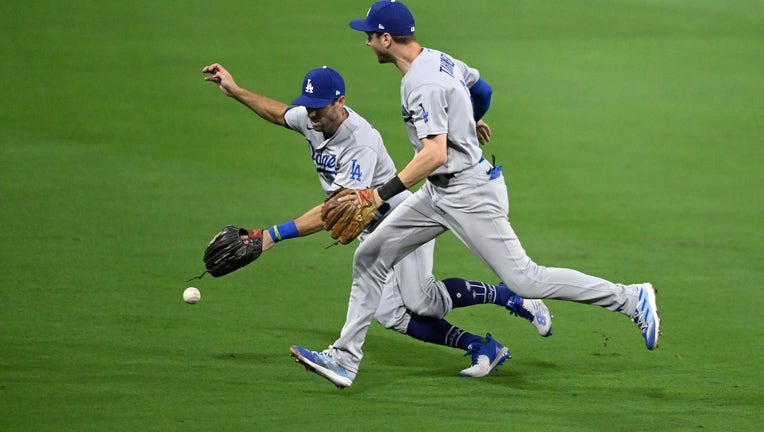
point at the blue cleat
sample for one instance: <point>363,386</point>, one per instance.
<point>646,316</point>
<point>485,357</point>
<point>323,364</point>
<point>534,311</point>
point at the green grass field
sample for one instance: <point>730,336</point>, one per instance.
<point>631,132</point>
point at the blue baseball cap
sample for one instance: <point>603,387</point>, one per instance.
<point>320,88</point>
<point>386,16</point>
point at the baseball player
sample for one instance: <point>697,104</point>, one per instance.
<point>348,152</point>
<point>463,193</point>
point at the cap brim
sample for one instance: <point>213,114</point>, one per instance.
<point>360,25</point>
<point>313,103</point>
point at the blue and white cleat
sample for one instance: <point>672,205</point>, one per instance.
<point>646,315</point>
<point>485,357</point>
<point>323,364</point>
<point>533,310</point>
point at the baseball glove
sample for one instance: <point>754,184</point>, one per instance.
<point>347,219</point>
<point>228,252</point>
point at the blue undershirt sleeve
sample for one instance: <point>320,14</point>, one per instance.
<point>481,98</point>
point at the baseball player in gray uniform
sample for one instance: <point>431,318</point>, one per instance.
<point>348,152</point>
<point>463,193</point>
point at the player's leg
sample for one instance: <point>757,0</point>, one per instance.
<point>392,314</point>
<point>465,293</point>
<point>425,296</point>
<point>339,363</point>
<point>372,267</point>
<point>373,261</point>
<point>490,236</point>
<point>408,227</point>
<point>419,290</point>
<point>486,352</point>
<point>429,300</point>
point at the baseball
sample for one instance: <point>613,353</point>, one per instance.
<point>191,295</point>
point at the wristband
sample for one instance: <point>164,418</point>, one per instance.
<point>283,231</point>
<point>393,187</point>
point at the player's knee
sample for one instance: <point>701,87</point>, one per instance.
<point>367,258</point>
<point>526,278</point>
<point>362,261</point>
<point>429,309</point>
<point>395,322</point>
<point>432,301</point>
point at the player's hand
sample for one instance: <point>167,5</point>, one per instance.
<point>265,237</point>
<point>220,76</point>
<point>368,194</point>
<point>483,131</point>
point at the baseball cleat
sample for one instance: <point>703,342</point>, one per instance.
<point>486,357</point>
<point>646,315</point>
<point>534,311</point>
<point>322,364</point>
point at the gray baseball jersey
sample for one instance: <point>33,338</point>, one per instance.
<point>472,202</point>
<point>355,157</point>
<point>436,100</point>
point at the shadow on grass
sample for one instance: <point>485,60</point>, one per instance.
<point>269,353</point>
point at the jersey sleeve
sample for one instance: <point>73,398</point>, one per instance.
<point>428,108</point>
<point>471,75</point>
<point>296,118</point>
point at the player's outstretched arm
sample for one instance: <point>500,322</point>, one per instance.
<point>306,224</point>
<point>266,108</point>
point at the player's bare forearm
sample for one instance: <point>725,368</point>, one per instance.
<point>432,156</point>
<point>267,108</point>
<point>308,223</point>
<point>434,153</point>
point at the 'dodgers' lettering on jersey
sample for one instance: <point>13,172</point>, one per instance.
<point>325,162</point>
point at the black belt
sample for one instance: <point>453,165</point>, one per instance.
<point>383,209</point>
<point>441,178</point>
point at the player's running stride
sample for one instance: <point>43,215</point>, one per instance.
<point>463,193</point>
<point>348,152</point>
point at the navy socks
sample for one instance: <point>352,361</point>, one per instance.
<point>440,332</point>
<point>467,293</point>
<point>463,293</point>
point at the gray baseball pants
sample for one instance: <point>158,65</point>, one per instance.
<point>474,207</point>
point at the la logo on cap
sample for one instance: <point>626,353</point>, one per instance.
<point>309,87</point>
